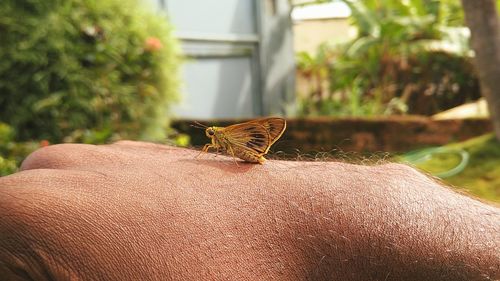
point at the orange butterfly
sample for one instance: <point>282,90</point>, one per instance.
<point>249,141</point>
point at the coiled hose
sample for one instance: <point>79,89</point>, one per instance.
<point>422,155</point>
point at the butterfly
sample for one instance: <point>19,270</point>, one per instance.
<point>249,141</point>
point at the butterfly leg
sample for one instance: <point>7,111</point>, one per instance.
<point>205,149</point>
<point>232,154</point>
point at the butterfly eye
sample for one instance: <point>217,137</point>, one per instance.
<point>210,131</point>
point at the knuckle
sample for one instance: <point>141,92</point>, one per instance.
<point>55,156</point>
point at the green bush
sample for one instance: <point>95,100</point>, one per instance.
<point>407,57</point>
<point>85,70</point>
<point>12,153</point>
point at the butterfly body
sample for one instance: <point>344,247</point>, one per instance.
<point>249,141</point>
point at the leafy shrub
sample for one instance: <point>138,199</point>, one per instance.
<point>85,70</point>
<point>408,57</point>
<point>12,153</point>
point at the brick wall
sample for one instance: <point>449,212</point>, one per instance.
<point>391,134</point>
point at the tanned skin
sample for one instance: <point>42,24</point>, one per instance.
<point>139,211</point>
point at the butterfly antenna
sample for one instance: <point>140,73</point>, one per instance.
<point>198,125</point>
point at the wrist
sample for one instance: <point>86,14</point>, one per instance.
<point>390,222</point>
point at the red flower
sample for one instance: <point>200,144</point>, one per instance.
<point>153,44</point>
<point>44,143</point>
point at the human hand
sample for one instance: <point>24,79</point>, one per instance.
<point>139,211</point>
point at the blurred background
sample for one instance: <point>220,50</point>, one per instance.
<point>412,81</point>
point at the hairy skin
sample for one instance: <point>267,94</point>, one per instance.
<point>139,211</point>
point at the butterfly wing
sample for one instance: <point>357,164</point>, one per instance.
<point>275,126</point>
<point>256,136</point>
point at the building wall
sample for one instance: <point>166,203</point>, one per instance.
<point>344,135</point>
<point>309,34</point>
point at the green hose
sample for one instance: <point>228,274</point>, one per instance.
<point>422,155</point>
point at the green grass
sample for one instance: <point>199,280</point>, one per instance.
<point>481,176</point>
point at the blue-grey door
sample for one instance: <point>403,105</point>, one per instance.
<point>239,56</point>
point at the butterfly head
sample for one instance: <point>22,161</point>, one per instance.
<point>210,132</point>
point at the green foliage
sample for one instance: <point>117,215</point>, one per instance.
<point>7,166</point>
<point>12,153</point>
<point>408,57</point>
<point>85,70</point>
